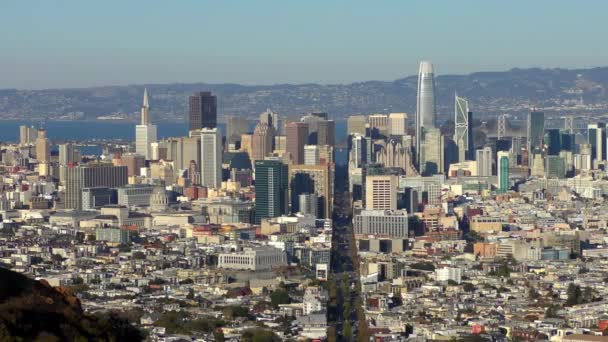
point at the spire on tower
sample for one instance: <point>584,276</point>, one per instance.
<point>146,103</point>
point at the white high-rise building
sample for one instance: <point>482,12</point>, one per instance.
<point>462,129</point>
<point>484,162</point>
<point>66,154</point>
<point>145,133</point>
<point>381,192</point>
<point>311,155</point>
<point>425,101</point>
<point>397,124</point>
<point>211,158</point>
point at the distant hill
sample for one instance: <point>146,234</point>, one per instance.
<point>34,311</point>
<point>557,91</point>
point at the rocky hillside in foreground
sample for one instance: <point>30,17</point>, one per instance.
<point>34,311</point>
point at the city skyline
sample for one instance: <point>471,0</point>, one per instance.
<point>245,43</point>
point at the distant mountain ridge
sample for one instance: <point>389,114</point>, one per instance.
<point>557,91</point>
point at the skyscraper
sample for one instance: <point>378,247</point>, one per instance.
<point>211,158</point>
<point>312,155</point>
<point>235,127</point>
<point>88,176</point>
<point>261,141</point>
<point>431,155</point>
<point>484,162</point>
<point>297,136</point>
<point>271,186</point>
<point>425,102</point>
<point>356,124</point>
<point>503,171</point>
<point>397,124</point>
<point>463,131</point>
<point>27,135</point>
<point>596,134</point>
<point>553,141</point>
<point>145,132</point>
<point>66,154</point>
<point>326,132</point>
<point>378,124</point>
<point>272,119</point>
<point>202,110</point>
<point>536,130</point>
<point>381,192</point>
<point>43,147</point>
<point>317,179</point>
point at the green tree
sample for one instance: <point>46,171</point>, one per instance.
<point>279,296</point>
<point>348,331</point>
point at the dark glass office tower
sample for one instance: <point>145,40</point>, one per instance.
<point>536,130</point>
<point>202,110</point>
<point>553,141</point>
<point>271,186</point>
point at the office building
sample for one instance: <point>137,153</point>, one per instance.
<point>503,171</point>
<point>553,142</point>
<point>135,195</point>
<point>43,147</point>
<point>273,120</point>
<point>484,162</point>
<point>97,197</point>
<point>27,135</point>
<point>596,138</point>
<point>425,103</point>
<point>211,158</point>
<point>536,130</point>
<point>381,223</point>
<point>431,155</point>
<point>67,154</point>
<point>202,110</point>
<point>296,137</point>
<point>378,124</point>
<point>145,132</point>
<point>89,176</point>
<point>361,151</point>
<point>308,204</point>
<point>381,192</point>
<point>253,259</point>
<point>397,124</point>
<point>133,162</point>
<point>312,155</point>
<point>463,130</point>
<point>271,189</point>
<point>555,167</point>
<point>317,179</point>
<point>235,127</point>
<point>356,124</point>
<point>262,141</point>
<point>326,132</point>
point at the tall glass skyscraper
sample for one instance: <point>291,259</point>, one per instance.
<point>271,186</point>
<point>463,131</point>
<point>425,101</point>
<point>503,171</point>
<point>536,130</point>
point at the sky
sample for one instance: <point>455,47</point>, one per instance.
<point>75,43</point>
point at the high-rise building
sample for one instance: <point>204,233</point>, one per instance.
<point>202,110</point>
<point>211,158</point>
<point>297,136</point>
<point>311,155</point>
<point>596,137</point>
<point>360,151</point>
<point>235,127</point>
<point>425,102</point>
<point>355,124</point>
<point>326,132</point>
<point>308,204</point>
<point>88,176</point>
<point>536,130</point>
<point>463,130</point>
<point>271,180</point>
<point>27,135</point>
<point>431,155</point>
<point>133,162</point>
<point>484,162</point>
<point>397,124</point>
<point>67,154</point>
<point>317,179</point>
<point>381,192</point>
<point>553,141</point>
<point>503,171</point>
<point>555,167</point>
<point>378,124</point>
<point>43,147</point>
<point>145,132</point>
<point>273,120</point>
<point>261,141</point>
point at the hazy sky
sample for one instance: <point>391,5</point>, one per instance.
<point>57,43</point>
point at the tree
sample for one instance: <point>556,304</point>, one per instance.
<point>348,331</point>
<point>575,295</point>
<point>551,311</point>
<point>259,335</point>
<point>279,296</point>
